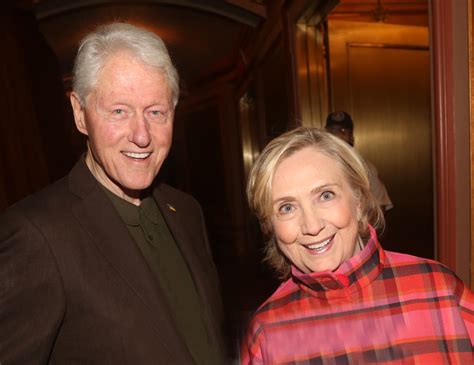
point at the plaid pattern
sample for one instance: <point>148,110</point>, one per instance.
<point>377,307</point>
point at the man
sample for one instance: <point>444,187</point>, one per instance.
<point>108,266</point>
<point>340,124</point>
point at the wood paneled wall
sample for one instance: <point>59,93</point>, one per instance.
<point>35,126</point>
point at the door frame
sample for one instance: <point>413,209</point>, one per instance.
<point>452,148</point>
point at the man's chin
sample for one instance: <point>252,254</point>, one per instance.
<point>135,188</point>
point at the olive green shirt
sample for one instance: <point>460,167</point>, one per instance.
<point>150,231</point>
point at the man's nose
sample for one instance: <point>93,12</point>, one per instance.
<point>140,131</point>
<point>311,222</point>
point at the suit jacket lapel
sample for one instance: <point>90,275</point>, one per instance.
<point>110,235</point>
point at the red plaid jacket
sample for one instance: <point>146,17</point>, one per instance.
<point>377,307</point>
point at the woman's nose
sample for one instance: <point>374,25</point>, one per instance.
<point>312,223</point>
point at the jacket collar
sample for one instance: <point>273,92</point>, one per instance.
<point>356,272</point>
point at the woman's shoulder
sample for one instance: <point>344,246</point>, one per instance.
<point>409,266</point>
<point>279,305</point>
<point>398,259</point>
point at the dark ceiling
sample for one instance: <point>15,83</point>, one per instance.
<point>204,37</point>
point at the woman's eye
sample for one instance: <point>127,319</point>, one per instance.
<point>327,195</point>
<point>285,209</point>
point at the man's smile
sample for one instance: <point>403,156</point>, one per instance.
<point>137,155</point>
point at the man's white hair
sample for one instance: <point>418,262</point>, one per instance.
<point>107,40</point>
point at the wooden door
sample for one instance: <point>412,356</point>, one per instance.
<point>380,74</point>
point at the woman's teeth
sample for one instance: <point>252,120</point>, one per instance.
<point>319,246</point>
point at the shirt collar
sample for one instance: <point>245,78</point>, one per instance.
<point>358,271</point>
<point>130,213</point>
<point>149,207</point>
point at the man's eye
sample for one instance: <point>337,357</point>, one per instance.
<point>118,111</point>
<point>156,116</point>
<point>327,195</point>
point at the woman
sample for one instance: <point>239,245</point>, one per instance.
<point>345,300</point>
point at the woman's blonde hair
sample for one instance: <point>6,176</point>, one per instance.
<point>259,186</point>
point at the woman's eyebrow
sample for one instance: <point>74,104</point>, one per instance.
<point>283,198</point>
<point>315,190</point>
<point>320,188</point>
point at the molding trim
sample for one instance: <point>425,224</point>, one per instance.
<point>444,138</point>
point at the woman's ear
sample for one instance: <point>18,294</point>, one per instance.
<point>359,211</point>
<point>266,227</point>
<point>79,113</point>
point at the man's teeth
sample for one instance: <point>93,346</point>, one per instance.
<point>319,246</point>
<point>137,155</point>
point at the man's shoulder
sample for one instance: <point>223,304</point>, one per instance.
<point>49,203</point>
<point>44,197</point>
<point>42,209</point>
<point>59,193</point>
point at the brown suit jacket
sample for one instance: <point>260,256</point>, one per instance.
<point>75,288</point>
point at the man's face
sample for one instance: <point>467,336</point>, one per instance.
<point>128,119</point>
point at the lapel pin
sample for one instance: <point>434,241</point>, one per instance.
<point>170,207</point>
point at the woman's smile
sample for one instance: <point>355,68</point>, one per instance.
<point>321,247</point>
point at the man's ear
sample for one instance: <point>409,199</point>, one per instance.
<point>79,113</point>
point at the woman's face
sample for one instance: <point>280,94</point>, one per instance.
<point>315,213</point>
